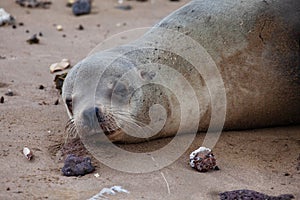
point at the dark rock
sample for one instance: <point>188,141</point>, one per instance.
<point>14,26</point>
<point>56,102</point>
<point>41,87</point>
<point>77,166</point>
<point>33,40</point>
<point>2,99</point>
<point>59,80</point>
<point>250,194</point>
<point>81,7</point>
<point>34,3</point>
<point>21,24</point>
<point>40,34</point>
<point>80,27</point>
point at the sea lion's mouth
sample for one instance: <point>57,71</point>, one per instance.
<point>107,122</point>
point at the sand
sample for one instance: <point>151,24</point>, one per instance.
<point>264,160</point>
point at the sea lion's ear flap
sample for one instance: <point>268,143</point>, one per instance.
<point>147,75</point>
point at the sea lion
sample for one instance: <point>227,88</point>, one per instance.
<point>211,64</point>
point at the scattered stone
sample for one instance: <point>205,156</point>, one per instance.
<point>40,34</point>
<point>2,99</point>
<point>27,31</point>
<point>60,66</point>
<point>121,24</point>
<point>64,35</point>
<point>81,7</point>
<point>80,27</point>
<point>59,80</point>
<point>124,7</point>
<point>43,103</point>
<point>250,194</point>
<point>33,40</point>
<point>6,18</point>
<point>27,153</point>
<point>203,160</point>
<point>286,174</point>
<point>56,102</point>
<point>77,166</point>
<point>34,3</point>
<point>41,87</point>
<point>59,27</point>
<point>70,3</point>
<point>14,26</point>
<point>21,24</point>
<point>9,93</point>
<point>7,189</point>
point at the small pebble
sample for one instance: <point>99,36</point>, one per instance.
<point>59,27</point>
<point>27,153</point>
<point>56,102</point>
<point>21,24</point>
<point>124,7</point>
<point>7,189</point>
<point>80,27</point>
<point>81,7</point>
<point>2,99</point>
<point>70,3</point>
<point>14,26</point>
<point>64,35</point>
<point>40,34</point>
<point>286,174</point>
<point>41,87</point>
<point>9,93</point>
<point>33,40</point>
<point>27,31</point>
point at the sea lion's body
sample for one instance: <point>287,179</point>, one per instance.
<point>255,46</point>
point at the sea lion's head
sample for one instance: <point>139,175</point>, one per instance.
<point>111,95</point>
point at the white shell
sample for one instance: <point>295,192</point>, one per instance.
<point>59,27</point>
<point>62,65</point>
<point>27,153</point>
<point>194,153</point>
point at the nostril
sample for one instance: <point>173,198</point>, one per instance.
<point>100,115</point>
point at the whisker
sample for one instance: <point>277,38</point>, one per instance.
<point>70,129</point>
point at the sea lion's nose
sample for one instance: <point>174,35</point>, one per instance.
<point>89,116</point>
<point>99,114</point>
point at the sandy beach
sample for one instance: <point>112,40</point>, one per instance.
<point>264,160</point>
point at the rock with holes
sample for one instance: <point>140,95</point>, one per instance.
<point>250,194</point>
<point>77,166</point>
<point>203,160</point>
